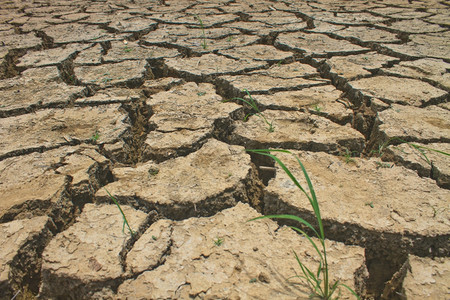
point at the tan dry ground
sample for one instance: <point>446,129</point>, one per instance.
<point>137,98</point>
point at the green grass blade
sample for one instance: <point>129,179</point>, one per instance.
<point>289,217</point>
<point>350,289</point>
<point>310,240</point>
<point>125,221</point>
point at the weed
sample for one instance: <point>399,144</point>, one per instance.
<point>230,38</point>
<point>258,112</point>
<point>383,165</point>
<point>317,108</point>
<point>125,222</point>
<point>218,241</point>
<point>279,62</point>
<point>95,136</point>
<point>348,156</point>
<point>253,280</point>
<point>127,49</point>
<point>204,46</point>
<point>369,204</point>
<point>420,149</point>
<point>201,94</point>
<point>318,281</point>
<point>154,238</point>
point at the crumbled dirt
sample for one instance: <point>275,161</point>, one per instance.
<point>138,100</point>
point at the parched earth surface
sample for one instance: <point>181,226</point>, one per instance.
<point>146,103</point>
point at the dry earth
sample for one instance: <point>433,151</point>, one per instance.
<point>128,97</point>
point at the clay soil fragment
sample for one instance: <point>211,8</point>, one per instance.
<point>85,257</point>
<point>427,125</point>
<point>19,243</point>
<point>398,90</point>
<point>325,101</point>
<point>427,69</point>
<point>185,118</point>
<point>32,184</point>
<point>356,66</point>
<point>51,128</point>
<point>130,73</point>
<point>427,278</point>
<point>296,130</point>
<point>372,209</point>
<point>207,65</point>
<point>258,52</point>
<point>434,165</point>
<point>317,45</point>
<point>202,183</point>
<point>121,51</point>
<point>50,57</point>
<point>224,256</point>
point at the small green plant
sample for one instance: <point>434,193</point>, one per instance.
<point>154,238</point>
<point>318,280</point>
<point>258,112</point>
<point>420,149</point>
<point>201,94</point>
<point>279,62</point>
<point>369,204</point>
<point>204,46</point>
<point>95,136</point>
<point>317,108</point>
<point>230,38</point>
<point>127,49</point>
<point>252,280</point>
<point>348,156</point>
<point>125,222</point>
<point>218,241</point>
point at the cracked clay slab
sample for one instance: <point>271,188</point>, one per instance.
<point>427,125</point>
<point>296,130</point>
<point>368,202</point>
<point>428,163</point>
<point>317,45</point>
<point>87,255</point>
<point>185,117</point>
<point>213,178</point>
<point>51,128</point>
<point>426,278</point>
<point>208,65</point>
<point>18,256</point>
<point>129,73</point>
<point>32,184</point>
<point>398,90</point>
<point>224,256</point>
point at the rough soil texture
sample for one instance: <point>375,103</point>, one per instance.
<point>148,102</point>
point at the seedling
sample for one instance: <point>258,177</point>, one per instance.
<point>253,280</point>
<point>125,222</point>
<point>317,108</point>
<point>258,112</point>
<point>418,148</point>
<point>318,281</point>
<point>201,94</point>
<point>218,241</point>
<point>154,238</point>
<point>369,204</point>
<point>204,46</point>
<point>127,49</point>
<point>348,156</point>
<point>230,38</point>
<point>95,136</point>
<point>279,62</point>
<point>383,165</point>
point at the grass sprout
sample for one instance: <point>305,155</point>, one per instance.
<point>125,221</point>
<point>420,149</point>
<point>200,21</point>
<point>257,112</point>
<point>318,280</point>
